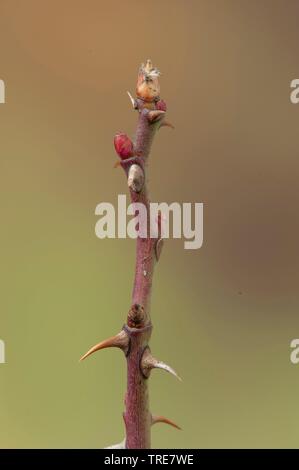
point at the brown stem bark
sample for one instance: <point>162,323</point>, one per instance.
<point>137,416</point>
<point>135,335</point>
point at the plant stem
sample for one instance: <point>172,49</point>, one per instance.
<point>137,416</point>
<point>135,335</point>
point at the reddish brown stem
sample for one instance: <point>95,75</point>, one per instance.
<point>135,335</point>
<point>137,416</point>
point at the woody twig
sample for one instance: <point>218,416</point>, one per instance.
<point>135,334</point>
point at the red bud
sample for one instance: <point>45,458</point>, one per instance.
<point>123,146</point>
<point>161,105</point>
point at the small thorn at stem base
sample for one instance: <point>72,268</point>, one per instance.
<point>121,445</point>
<point>162,419</point>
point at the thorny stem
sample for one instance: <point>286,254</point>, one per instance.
<point>135,335</point>
<point>137,416</point>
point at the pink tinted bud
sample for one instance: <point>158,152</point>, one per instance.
<point>123,146</point>
<point>161,105</point>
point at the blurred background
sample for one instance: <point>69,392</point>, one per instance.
<point>224,315</point>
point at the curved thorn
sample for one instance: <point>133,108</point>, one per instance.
<point>162,365</point>
<point>121,445</point>
<point>166,124</point>
<point>121,340</point>
<point>155,115</point>
<point>148,362</point>
<point>158,248</point>
<point>133,101</point>
<point>162,419</point>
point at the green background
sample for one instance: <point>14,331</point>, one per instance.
<point>223,315</point>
